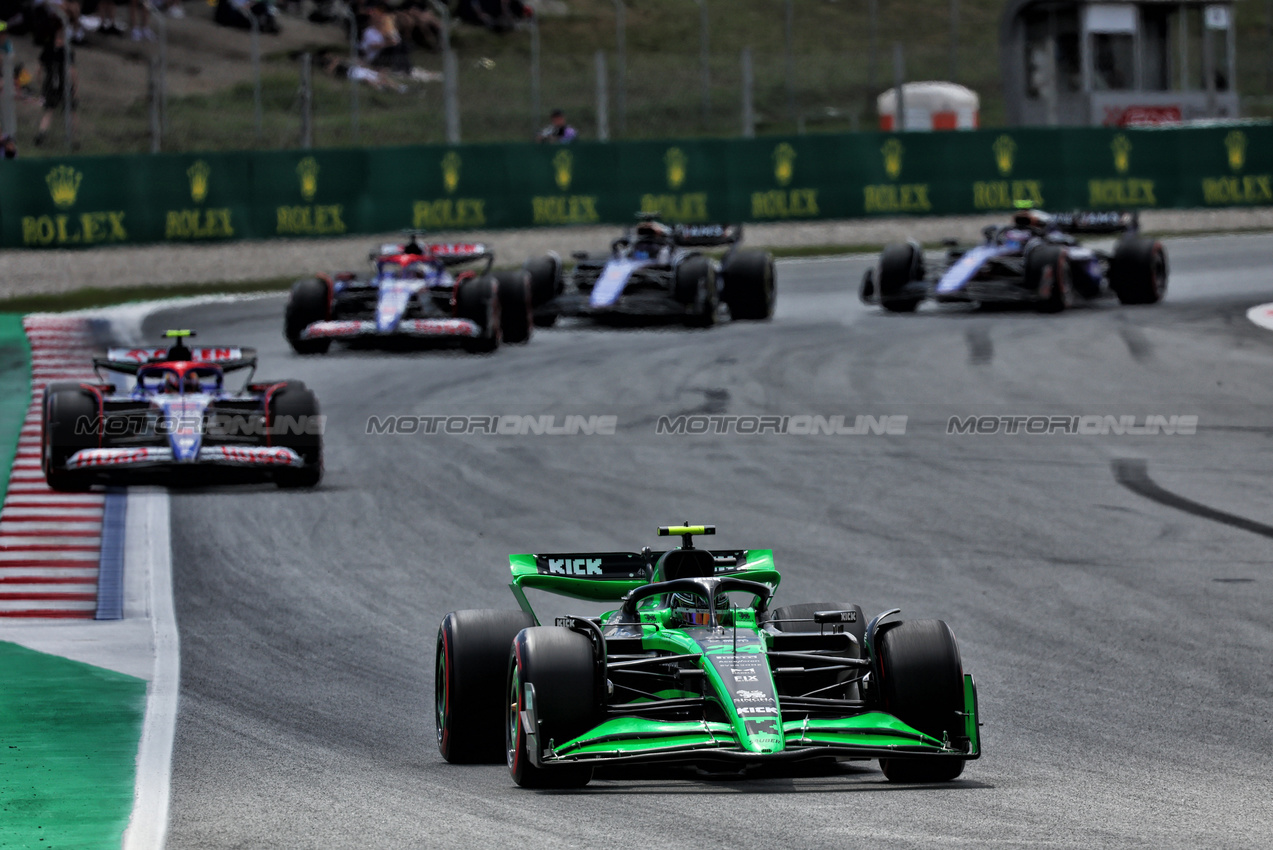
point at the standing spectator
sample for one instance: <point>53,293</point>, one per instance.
<point>558,132</point>
<point>54,85</point>
<point>381,44</point>
<point>9,145</point>
<point>139,21</point>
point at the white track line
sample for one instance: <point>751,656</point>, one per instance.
<point>147,547</point>
<point>1262,315</point>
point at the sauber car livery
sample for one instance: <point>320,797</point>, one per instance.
<point>695,666</point>
<point>171,410</point>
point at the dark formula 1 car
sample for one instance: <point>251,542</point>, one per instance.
<point>179,417</point>
<point>658,272</point>
<point>680,673</point>
<point>416,291</point>
<point>1034,260</point>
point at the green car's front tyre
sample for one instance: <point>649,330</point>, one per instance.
<point>922,684</point>
<point>558,665</point>
<point>468,683</point>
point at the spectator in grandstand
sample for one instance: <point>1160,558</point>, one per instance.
<point>105,11</point>
<point>381,44</point>
<point>53,82</point>
<point>417,23</point>
<point>139,21</point>
<point>495,15</point>
<point>558,132</point>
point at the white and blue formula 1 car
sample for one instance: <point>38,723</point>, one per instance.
<point>1034,260</point>
<point>417,293</point>
<point>659,272</point>
<point>179,419</point>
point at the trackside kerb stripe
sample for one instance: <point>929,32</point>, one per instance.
<point>51,544</point>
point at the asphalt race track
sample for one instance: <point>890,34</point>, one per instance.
<point>1112,594</point>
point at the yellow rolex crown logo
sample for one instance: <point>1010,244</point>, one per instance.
<point>1004,149</point>
<point>675,159</point>
<point>1122,149</point>
<point>784,163</point>
<point>199,174</point>
<point>1236,144</point>
<point>64,185</point>
<point>307,170</point>
<point>562,164</point>
<point>451,171</point>
<point>892,151</point>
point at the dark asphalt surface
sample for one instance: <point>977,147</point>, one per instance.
<point>1118,624</point>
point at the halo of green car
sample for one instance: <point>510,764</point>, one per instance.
<point>681,673</point>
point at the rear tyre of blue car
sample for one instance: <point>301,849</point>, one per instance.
<point>749,285</point>
<point>68,411</point>
<point>294,422</point>
<point>472,651</point>
<point>1047,272</point>
<point>1138,271</point>
<point>477,302</point>
<point>558,664</point>
<point>546,283</point>
<point>308,302</point>
<point>900,266</point>
<point>515,318</point>
<point>921,682</point>
<point>695,286</point>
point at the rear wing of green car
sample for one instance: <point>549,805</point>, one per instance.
<point>609,576</point>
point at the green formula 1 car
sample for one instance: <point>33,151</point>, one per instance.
<point>681,673</point>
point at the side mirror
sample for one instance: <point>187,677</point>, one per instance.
<point>579,255</point>
<point>950,242</point>
<point>825,617</point>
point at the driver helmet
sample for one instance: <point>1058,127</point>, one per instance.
<point>1031,220</point>
<point>417,270</point>
<point>390,270</point>
<point>192,383</point>
<point>692,608</point>
<point>172,382</point>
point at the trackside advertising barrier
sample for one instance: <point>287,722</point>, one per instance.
<point>81,201</point>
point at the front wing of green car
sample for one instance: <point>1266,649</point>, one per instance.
<point>638,740</point>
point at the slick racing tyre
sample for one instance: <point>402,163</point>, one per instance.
<point>558,664</point>
<point>69,409</point>
<point>293,412</point>
<point>309,302</point>
<point>1047,272</point>
<point>922,684</point>
<point>749,285</point>
<point>1138,271</point>
<point>866,292</point>
<point>799,619</point>
<point>695,286</point>
<point>900,266</point>
<point>468,683</point>
<point>546,283</point>
<point>516,322</point>
<point>476,301</point>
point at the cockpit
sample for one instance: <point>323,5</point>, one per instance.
<point>179,380</point>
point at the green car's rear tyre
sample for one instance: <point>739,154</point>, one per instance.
<point>472,650</point>
<point>559,664</point>
<point>922,684</point>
